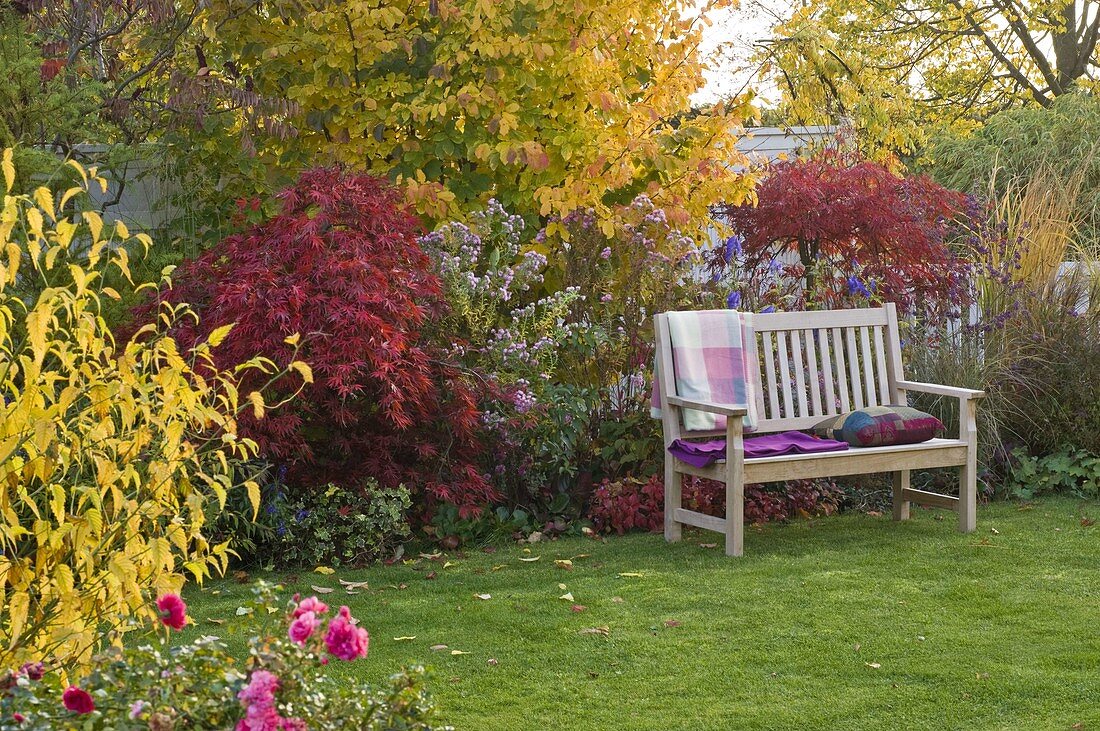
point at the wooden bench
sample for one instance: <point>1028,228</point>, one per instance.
<point>816,364</point>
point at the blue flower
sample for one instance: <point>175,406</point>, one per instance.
<point>857,287</point>
<point>734,300</point>
<point>281,530</point>
<point>301,515</point>
<point>766,310</point>
<point>733,247</point>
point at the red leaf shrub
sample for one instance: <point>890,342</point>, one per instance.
<point>633,504</point>
<point>857,230</point>
<point>341,266</point>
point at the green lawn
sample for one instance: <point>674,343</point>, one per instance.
<point>838,623</point>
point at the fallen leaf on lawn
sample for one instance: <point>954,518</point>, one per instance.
<point>602,631</point>
<point>406,638</point>
<point>856,647</point>
<point>326,570</point>
<point>459,652</point>
<point>981,676</point>
<point>241,577</point>
<point>920,638</point>
<point>708,545</point>
<point>489,549</point>
<point>437,648</point>
<point>672,623</point>
<point>593,675</point>
<point>484,597</point>
<point>447,564</point>
<point>873,665</point>
<point>563,587</point>
<point>493,661</point>
<point>498,567</point>
<point>564,563</point>
<point>630,575</point>
<point>527,550</point>
<point>581,555</point>
<point>529,559</point>
<point>617,599</point>
<point>588,531</point>
<point>431,556</point>
<point>429,575</point>
<point>242,611</point>
<point>322,589</point>
<point>352,592</point>
<point>1086,522</point>
<point>994,531</point>
<point>211,620</point>
<point>577,608</point>
<point>402,586</point>
<point>567,596</point>
<point>355,584</point>
<point>216,592</point>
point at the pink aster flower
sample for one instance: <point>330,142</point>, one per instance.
<point>344,639</point>
<point>302,628</point>
<point>310,604</point>
<point>77,700</point>
<point>135,709</point>
<point>173,612</point>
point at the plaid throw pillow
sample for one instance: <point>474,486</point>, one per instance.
<point>880,426</point>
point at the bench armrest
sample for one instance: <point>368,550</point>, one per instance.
<point>723,409</point>
<point>966,394</point>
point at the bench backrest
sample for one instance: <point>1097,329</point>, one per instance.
<point>813,365</point>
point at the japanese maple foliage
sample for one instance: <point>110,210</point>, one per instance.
<point>341,266</point>
<point>858,230</point>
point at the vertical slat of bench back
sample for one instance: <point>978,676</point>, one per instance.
<point>814,374</point>
<point>827,376</point>
<point>817,364</point>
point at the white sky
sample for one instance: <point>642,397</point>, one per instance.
<point>733,35</point>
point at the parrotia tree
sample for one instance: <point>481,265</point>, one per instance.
<point>545,105</point>
<point>856,228</point>
<point>341,266</point>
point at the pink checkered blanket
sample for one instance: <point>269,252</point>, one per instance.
<point>714,359</point>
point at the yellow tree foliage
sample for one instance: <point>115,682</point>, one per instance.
<point>110,454</point>
<point>546,105</point>
<point>894,69</point>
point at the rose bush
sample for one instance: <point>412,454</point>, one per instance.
<point>282,686</point>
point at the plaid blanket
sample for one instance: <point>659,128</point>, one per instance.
<point>714,358</point>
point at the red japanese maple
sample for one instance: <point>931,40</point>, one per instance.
<point>856,227</point>
<point>341,266</point>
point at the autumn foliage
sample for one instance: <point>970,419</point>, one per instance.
<point>856,229</point>
<point>340,266</point>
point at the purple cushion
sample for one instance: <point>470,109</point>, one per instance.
<point>704,454</point>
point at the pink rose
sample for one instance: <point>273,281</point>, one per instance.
<point>77,700</point>
<point>173,612</point>
<point>310,604</point>
<point>301,629</point>
<point>344,639</point>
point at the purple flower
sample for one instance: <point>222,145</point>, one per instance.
<point>766,310</point>
<point>734,300</point>
<point>733,247</point>
<point>857,287</point>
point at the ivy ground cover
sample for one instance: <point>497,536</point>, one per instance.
<point>846,622</point>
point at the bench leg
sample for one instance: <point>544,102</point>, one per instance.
<point>900,481</point>
<point>968,473</point>
<point>968,497</point>
<point>735,495</point>
<point>673,483</point>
